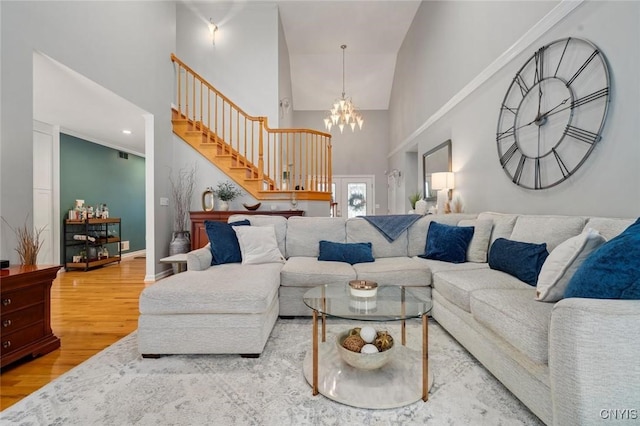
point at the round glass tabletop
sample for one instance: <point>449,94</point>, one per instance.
<point>389,304</point>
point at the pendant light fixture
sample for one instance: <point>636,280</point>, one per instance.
<point>343,112</point>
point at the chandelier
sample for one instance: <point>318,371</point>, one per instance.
<point>343,112</point>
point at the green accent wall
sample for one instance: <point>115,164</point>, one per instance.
<point>97,174</point>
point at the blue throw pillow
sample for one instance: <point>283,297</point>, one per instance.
<point>224,243</point>
<point>346,252</point>
<point>447,243</point>
<point>522,260</point>
<point>612,271</point>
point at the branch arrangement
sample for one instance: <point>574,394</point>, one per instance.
<point>181,193</point>
<point>29,243</point>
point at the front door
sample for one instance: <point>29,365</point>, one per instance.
<point>354,195</point>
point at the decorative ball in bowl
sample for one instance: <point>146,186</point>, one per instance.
<point>365,348</point>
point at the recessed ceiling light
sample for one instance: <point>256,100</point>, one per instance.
<point>126,132</point>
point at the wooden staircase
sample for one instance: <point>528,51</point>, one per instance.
<point>222,155</point>
<point>267,163</point>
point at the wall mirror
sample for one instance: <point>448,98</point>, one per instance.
<point>436,160</point>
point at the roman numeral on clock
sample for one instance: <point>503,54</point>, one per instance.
<point>518,174</point>
<point>581,134</point>
<point>591,97</point>
<point>523,85</point>
<point>584,65</point>
<point>539,58</point>
<point>538,178</point>
<point>506,157</point>
<point>563,167</point>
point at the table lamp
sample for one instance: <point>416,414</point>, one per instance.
<point>442,182</point>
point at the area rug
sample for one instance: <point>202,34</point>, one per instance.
<point>118,387</point>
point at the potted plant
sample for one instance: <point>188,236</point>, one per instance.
<point>415,197</point>
<point>181,193</point>
<point>227,191</point>
<point>418,204</point>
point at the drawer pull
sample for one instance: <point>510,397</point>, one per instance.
<point>6,301</point>
<point>6,344</point>
<point>6,323</point>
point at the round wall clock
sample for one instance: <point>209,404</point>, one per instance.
<point>553,113</point>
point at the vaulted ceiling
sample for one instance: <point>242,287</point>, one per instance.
<point>373,31</point>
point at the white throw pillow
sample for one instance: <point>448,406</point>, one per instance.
<point>563,262</point>
<point>479,245</point>
<point>258,244</point>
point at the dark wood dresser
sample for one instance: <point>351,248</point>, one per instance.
<point>25,295</point>
<point>199,234</point>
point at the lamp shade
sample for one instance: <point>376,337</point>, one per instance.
<point>442,180</point>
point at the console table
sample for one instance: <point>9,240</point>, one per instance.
<point>199,237</point>
<point>25,292</point>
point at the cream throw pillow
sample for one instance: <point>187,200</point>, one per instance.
<point>258,244</point>
<point>479,245</point>
<point>563,262</point>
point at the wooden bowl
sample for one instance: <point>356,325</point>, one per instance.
<point>253,207</point>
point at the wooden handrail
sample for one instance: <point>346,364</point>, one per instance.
<point>286,158</point>
<point>175,59</point>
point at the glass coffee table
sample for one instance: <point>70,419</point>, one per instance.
<point>405,379</point>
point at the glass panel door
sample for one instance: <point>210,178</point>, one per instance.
<point>353,195</point>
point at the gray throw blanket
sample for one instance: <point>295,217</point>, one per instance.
<point>393,225</point>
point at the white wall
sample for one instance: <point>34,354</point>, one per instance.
<point>362,152</point>
<point>243,64</point>
<point>284,79</point>
<point>609,181</point>
<point>448,44</point>
<point>123,46</point>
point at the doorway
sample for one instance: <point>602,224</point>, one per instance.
<point>353,195</point>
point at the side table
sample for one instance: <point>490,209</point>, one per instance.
<point>179,261</point>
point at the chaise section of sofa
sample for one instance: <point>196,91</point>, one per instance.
<point>227,309</point>
<point>221,309</point>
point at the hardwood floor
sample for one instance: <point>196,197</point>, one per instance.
<point>89,311</point>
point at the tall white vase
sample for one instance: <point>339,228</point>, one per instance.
<point>224,206</point>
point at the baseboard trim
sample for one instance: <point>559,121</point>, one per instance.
<point>132,254</point>
<point>160,275</point>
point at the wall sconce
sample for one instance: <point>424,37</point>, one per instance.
<point>285,104</point>
<point>443,182</point>
<point>212,30</point>
<point>394,176</point>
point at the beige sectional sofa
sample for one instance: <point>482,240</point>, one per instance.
<point>566,361</point>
